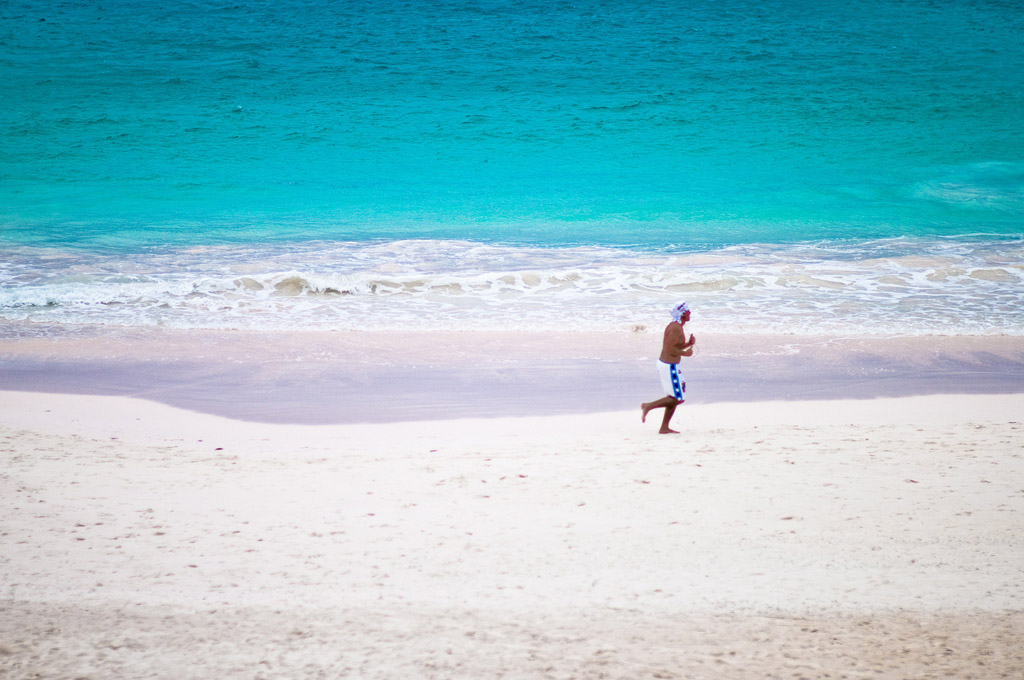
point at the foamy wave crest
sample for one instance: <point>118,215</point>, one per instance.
<point>895,286</point>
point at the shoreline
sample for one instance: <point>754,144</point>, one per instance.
<point>361,376</point>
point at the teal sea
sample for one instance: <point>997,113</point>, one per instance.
<point>853,167</point>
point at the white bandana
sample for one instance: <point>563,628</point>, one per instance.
<point>679,310</point>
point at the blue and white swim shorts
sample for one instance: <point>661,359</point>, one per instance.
<point>672,380</point>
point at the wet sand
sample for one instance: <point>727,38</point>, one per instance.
<point>348,377</point>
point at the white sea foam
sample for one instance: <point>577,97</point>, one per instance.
<point>890,287</point>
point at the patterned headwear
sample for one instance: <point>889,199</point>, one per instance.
<point>679,310</point>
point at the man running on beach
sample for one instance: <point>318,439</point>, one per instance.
<point>674,347</point>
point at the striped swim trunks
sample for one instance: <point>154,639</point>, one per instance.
<point>671,380</point>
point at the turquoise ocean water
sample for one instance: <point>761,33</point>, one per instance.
<point>853,167</point>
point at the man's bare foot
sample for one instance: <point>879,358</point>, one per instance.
<point>667,430</point>
<point>646,408</point>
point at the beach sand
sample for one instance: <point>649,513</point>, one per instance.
<point>876,538</point>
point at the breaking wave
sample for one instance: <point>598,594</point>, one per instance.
<point>893,286</point>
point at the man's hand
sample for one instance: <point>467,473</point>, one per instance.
<point>693,341</point>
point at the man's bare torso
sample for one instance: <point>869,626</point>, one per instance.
<point>674,346</point>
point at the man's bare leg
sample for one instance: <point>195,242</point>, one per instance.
<point>669,412</point>
<point>667,403</point>
<point>647,407</point>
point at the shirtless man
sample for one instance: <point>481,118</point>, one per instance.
<point>674,347</point>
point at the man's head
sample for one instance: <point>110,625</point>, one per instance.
<point>681,312</point>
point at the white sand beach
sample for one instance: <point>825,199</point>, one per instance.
<point>831,539</point>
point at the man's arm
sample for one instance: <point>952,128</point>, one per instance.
<point>686,349</point>
<point>675,339</point>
